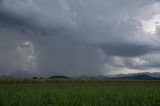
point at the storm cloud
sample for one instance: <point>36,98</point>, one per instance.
<point>78,37</point>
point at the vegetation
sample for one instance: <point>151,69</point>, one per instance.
<point>74,92</point>
<point>59,77</point>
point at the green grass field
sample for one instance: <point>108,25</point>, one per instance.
<point>41,92</point>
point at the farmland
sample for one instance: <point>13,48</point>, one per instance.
<point>75,92</point>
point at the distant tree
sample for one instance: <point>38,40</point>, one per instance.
<point>35,77</point>
<point>59,77</point>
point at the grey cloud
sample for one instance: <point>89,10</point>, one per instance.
<point>85,34</point>
<point>34,16</point>
<point>127,50</point>
<point>152,60</point>
<point>141,63</point>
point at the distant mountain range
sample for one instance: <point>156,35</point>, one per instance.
<point>145,75</point>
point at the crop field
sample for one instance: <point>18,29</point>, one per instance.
<point>44,92</point>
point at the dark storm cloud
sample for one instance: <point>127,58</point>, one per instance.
<point>9,20</point>
<point>127,50</point>
<point>83,33</point>
<point>25,15</point>
<point>22,24</point>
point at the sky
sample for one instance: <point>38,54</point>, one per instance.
<point>79,37</point>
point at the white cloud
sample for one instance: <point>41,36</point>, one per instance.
<point>26,56</point>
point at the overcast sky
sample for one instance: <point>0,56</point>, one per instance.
<point>79,37</point>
